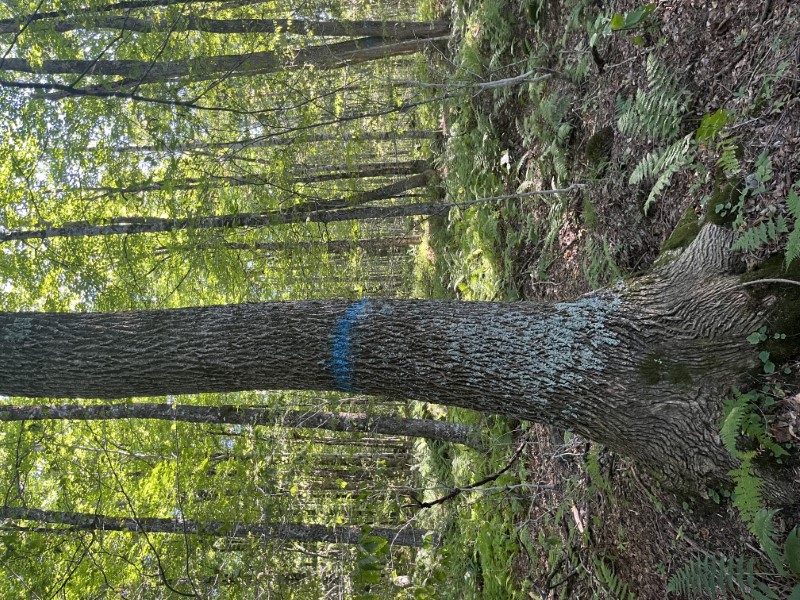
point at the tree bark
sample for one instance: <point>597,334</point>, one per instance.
<point>333,534</point>
<point>417,169</point>
<point>389,30</point>
<point>328,56</point>
<point>640,367</point>
<point>349,422</point>
<point>270,141</point>
<point>373,246</point>
<point>139,225</point>
<point>337,172</point>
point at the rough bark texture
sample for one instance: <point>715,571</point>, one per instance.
<point>137,225</point>
<point>382,246</point>
<point>329,56</point>
<point>270,140</point>
<point>640,367</point>
<point>397,30</point>
<point>334,534</point>
<point>228,414</point>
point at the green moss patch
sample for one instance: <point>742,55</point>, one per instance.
<point>656,368</point>
<point>684,233</point>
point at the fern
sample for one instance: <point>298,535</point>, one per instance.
<point>748,497</point>
<point>763,529</point>
<point>664,164</point>
<point>735,410</point>
<point>761,234</point>
<point>793,244</point>
<point>728,160</point>
<point>657,111</point>
<point>719,577</point>
<point>615,587</point>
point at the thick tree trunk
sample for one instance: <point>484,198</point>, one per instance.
<point>640,367</point>
<point>334,534</point>
<point>351,422</point>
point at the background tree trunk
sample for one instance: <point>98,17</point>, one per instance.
<point>335,534</point>
<point>353,422</point>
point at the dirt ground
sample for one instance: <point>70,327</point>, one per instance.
<point>745,58</point>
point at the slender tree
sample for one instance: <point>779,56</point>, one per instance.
<point>388,30</point>
<point>235,415</point>
<point>138,72</point>
<point>335,534</point>
<point>374,246</point>
<point>138,225</point>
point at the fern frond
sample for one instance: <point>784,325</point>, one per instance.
<point>673,160</point>
<point>793,243</point>
<point>752,239</point>
<point>735,410</point>
<point>647,168</point>
<point>728,159</point>
<point>763,528</point>
<point>656,111</point>
<point>748,497</point>
<point>615,586</point>
<point>718,577</point>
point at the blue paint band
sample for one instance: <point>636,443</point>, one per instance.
<point>342,352</point>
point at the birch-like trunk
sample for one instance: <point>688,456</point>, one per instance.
<point>390,30</point>
<point>300,532</point>
<point>443,431</point>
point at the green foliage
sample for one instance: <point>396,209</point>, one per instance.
<point>662,164</point>
<point>626,23</point>
<point>712,125</point>
<point>793,208</point>
<point>760,235</point>
<point>711,577</point>
<point>633,18</point>
<point>657,110</point>
<point>728,577</point>
<point>656,113</point>
<point>598,262</point>
<point>615,587</point>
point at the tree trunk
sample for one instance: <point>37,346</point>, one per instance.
<point>136,72</point>
<point>270,141</point>
<point>389,30</point>
<point>337,172</point>
<point>382,246</point>
<point>419,177</point>
<point>640,367</point>
<point>235,415</point>
<point>334,534</point>
<point>137,225</point>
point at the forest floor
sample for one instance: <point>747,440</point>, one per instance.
<point>687,110</point>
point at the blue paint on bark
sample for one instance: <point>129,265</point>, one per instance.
<point>342,351</point>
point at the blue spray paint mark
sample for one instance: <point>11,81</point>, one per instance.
<point>342,359</point>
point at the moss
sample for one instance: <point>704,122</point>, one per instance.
<point>726,193</point>
<point>684,233</point>
<point>784,315</point>
<point>656,368</point>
